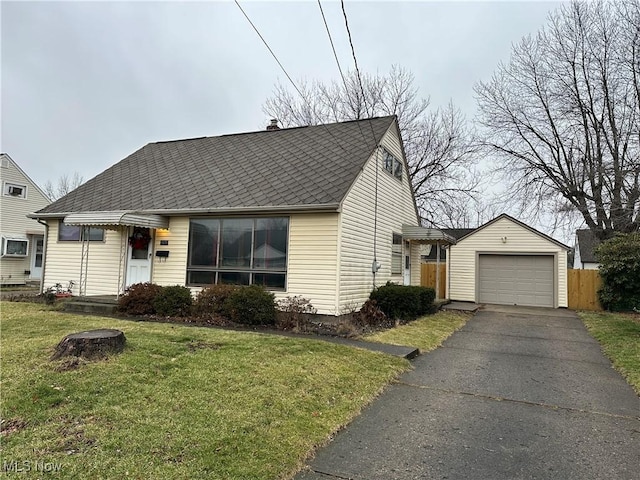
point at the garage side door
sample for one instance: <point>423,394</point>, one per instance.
<point>516,280</point>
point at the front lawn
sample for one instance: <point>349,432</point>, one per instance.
<point>179,402</point>
<point>619,335</point>
<point>426,333</point>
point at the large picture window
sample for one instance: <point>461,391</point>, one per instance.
<point>75,233</point>
<point>238,251</point>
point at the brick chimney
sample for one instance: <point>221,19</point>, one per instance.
<point>273,125</point>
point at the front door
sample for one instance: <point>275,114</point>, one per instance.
<point>37,251</point>
<point>139,256</point>
<point>406,277</point>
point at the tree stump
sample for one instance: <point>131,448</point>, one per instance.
<point>90,344</point>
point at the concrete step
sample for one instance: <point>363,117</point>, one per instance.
<point>90,307</point>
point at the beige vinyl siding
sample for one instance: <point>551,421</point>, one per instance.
<point>172,270</point>
<point>395,207</point>
<point>416,261</point>
<point>13,269</point>
<point>462,258</point>
<point>14,221</point>
<point>312,260</point>
<point>63,262</point>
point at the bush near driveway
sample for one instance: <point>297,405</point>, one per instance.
<point>619,335</point>
<point>179,402</point>
<point>619,260</point>
<point>403,302</point>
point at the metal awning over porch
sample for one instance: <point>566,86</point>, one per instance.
<point>433,236</point>
<point>426,235</point>
<point>114,219</point>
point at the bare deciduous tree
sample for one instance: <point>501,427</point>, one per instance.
<point>441,149</point>
<point>563,116</point>
<point>64,185</point>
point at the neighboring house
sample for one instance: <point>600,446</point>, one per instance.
<point>584,257</point>
<point>429,252</point>
<point>508,262</point>
<point>22,237</point>
<point>302,211</point>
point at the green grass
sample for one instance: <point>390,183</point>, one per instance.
<point>426,333</point>
<point>179,402</point>
<point>619,335</point>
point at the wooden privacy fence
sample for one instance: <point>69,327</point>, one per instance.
<point>428,277</point>
<point>582,289</point>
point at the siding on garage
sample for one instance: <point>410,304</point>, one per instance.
<point>502,235</point>
<point>395,208</point>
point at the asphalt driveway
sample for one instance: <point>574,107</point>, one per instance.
<point>516,394</point>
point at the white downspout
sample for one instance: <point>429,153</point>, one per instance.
<point>44,252</point>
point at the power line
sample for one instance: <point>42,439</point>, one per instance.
<point>291,80</point>
<point>355,61</point>
<point>364,100</point>
<point>269,48</point>
<point>353,53</point>
<point>335,55</point>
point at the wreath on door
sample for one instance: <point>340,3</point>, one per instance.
<point>140,239</point>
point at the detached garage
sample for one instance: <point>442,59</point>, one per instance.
<point>507,262</point>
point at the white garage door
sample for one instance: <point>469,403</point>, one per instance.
<point>516,280</point>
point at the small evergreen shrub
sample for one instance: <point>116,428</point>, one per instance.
<point>371,315</point>
<point>403,302</point>
<point>138,299</point>
<point>252,305</point>
<point>173,301</point>
<point>619,259</point>
<point>211,301</point>
<point>294,312</point>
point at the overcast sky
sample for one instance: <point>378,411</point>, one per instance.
<point>85,84</point>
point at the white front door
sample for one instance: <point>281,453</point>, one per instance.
<point>139,256</point>
<point>37,251</point>
<point>406,277</point>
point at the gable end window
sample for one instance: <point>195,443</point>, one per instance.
<point>14,190</point>
<point>75,233</point>
<point>391,164</point>
<point>239,251</point>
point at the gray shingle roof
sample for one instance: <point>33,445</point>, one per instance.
<point>304,166</point>
<point>587,243</point>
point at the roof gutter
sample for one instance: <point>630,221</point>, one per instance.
<point>322,207</point>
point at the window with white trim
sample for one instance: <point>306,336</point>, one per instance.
<point>239,251</point>
<point>14,190</point>
<point>396,254</point>
<point>14,246</point>
<point>391,164</point>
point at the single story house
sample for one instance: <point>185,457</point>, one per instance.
<point>22,238</point>
<point>326,212</point>
<point>584,257</point>
<point>508,262</point>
